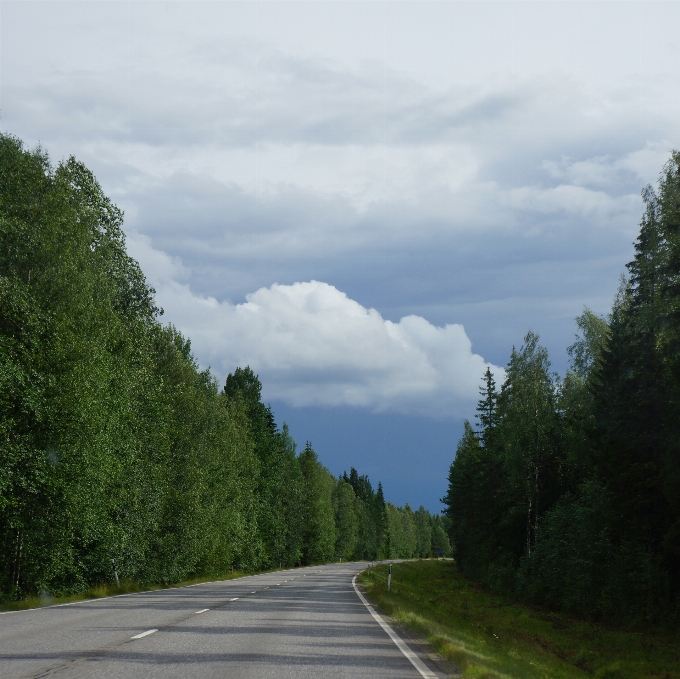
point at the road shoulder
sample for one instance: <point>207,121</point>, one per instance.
<point>443,668</point>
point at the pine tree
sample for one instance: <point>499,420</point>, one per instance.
<point>381,547</point>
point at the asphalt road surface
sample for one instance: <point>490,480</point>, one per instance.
<point>296,624</point>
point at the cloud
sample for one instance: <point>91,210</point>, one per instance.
<point>424,160</point>
<point>597,206</point>
<point>313,345</point>
<point>612,172</point>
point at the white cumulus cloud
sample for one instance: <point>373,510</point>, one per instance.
<point>313,345</point>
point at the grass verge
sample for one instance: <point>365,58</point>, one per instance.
<point>104,590</point>
<point>489,636</point>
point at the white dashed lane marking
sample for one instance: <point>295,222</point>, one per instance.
<point>144,634</point>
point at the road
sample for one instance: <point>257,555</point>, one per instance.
<point>296,624</point>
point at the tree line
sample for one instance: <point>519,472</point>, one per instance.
<point>114,444</point>
<point>568,490</point>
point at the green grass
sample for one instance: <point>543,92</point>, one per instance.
<point>489,636</point>
<point>105,590</point>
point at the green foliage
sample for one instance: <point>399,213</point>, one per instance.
<point>113,443</point>
<point>587,351</point>
<point>319,534</point>
<point>414,534</point>
<point>440,540</point>
<point>569,494</point>
<point>344,501</point>
<point>423,530</point>
<point>279,489</point>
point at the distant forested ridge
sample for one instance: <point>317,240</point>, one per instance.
<point>115,445</point>
<point>568,491</point>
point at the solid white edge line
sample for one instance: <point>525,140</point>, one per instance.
<point>144,634</point>
<point>415,660</point>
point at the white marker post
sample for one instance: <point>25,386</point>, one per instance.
<point>389,578</point>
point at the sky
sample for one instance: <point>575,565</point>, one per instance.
<point>369,203</point>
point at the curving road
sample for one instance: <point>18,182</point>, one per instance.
<point>296,624</point>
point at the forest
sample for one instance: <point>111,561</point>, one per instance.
<point>116,445</point>
<point>567,490</point>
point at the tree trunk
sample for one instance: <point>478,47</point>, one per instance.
<point>16,569</point>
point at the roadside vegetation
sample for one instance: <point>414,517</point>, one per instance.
<point>116,445</point>
<point>492,636</point>
<point>567,491</point>
<point>109,590</point>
